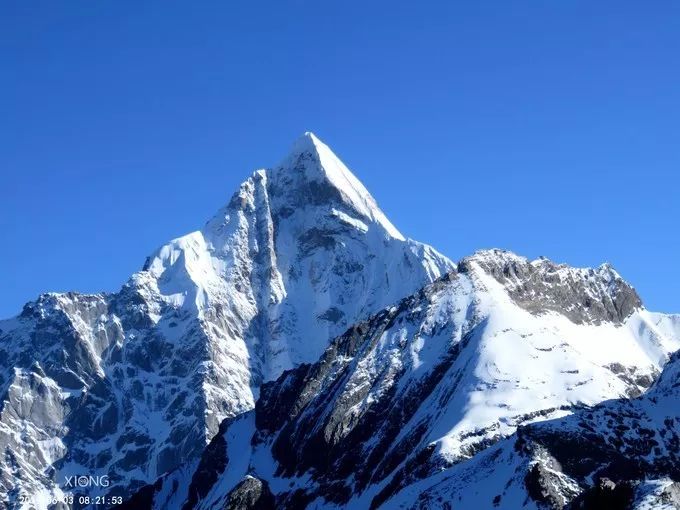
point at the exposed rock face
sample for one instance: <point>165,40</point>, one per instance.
<point>409,407</point>
<point>134,384</point>
<point>251,494</point>
<point>213,462</point>
<point>546,487</point>
<point>584,296</point>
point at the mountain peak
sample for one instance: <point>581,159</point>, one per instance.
<point>307,142</point>
<point>311,160</point>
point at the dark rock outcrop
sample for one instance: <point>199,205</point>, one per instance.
<point>251,494</point>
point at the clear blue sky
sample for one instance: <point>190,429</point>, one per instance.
<point>547,128</point>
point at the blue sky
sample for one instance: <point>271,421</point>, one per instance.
<point>547,128</point>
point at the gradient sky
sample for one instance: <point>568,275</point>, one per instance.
<point>547,128</point>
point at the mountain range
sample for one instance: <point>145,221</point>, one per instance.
<point>299,352</point>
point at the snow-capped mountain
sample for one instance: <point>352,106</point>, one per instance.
<point>133,384</point>
<point>420,405</point>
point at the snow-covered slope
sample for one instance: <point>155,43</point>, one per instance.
<point>620,454</point>
<point>428,385</point>
<point>133,384</point>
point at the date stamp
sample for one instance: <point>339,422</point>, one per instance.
<point>80,500</point>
